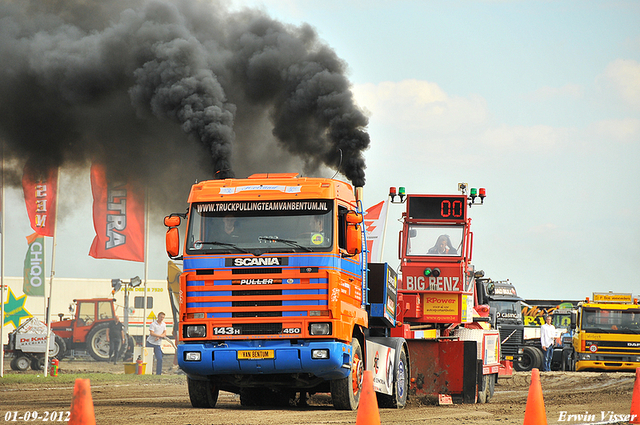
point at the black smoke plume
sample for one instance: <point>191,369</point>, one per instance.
<point>172,91</point>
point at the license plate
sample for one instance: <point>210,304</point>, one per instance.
<point>509,358</point>
<point>255,354</point>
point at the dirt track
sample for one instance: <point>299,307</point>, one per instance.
<point>123,402</point>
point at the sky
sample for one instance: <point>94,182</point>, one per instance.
<point>536,101</point>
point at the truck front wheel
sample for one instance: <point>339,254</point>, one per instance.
<point>531,357</point>
<point>345,392</point>
<point>203,394</point>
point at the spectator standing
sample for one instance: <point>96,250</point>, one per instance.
<point>157,331</point>
<point>115,336</point>
<point>547,340</point>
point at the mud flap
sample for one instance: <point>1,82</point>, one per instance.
<point>472,372</point>
<point>444,367</point>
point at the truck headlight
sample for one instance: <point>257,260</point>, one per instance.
<point>192,356</point>
<point>320,354</point>
<point>196,331</point>
<point>320,329</point>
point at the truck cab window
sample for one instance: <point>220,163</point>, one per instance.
<point>427,240</point>
<point>262,227</point>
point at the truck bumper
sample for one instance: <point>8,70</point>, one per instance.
<point>283,357</point>
<point>607,362</point>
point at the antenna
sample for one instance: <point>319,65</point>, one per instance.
<point>339,165</point>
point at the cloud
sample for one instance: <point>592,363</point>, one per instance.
<point>623,76</point>
<point>573,91</point>
<point>625,130</point>
<point>421,112</point>
<point>525,139</point>
<point>416,104</point>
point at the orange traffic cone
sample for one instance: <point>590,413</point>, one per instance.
<point>368,413</point>
<point>635,400</point>
<point>82,404</point>
<point>535,413</point>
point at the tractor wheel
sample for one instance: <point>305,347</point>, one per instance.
<point>21,362</point>
<point>400,386</point>
<point>97,344</point>
<point>345,392</point>
<point>202,393</point>
<point>59,348</point>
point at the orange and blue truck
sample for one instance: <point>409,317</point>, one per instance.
<point>277,300</point>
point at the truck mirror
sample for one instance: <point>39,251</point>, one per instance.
<point>354,239</point>
<point>173,241</point>
<point>354,218</point>
<point>172,221</point>
<point>574,319</point>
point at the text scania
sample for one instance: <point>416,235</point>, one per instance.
<point>440,283</point>
<point>116,216</point>
<point>263,206</point>
<point>273,261</point>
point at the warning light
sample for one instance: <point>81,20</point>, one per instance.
<point>401,192</point>
<point>428,272</point>
<point>477,193</point>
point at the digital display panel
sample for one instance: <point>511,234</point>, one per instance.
<point>437,207</point>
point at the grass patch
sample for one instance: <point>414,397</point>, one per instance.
<point>16,380</point>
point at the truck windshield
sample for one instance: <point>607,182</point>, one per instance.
<point>611,321</point>
<point>260,227</point>
<point>430,240</point>
<point>507,309</point>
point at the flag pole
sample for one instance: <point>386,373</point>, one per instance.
<point>384,229</point>
<point>146,263</point>
<point>2,227</point>
<point>47,311</point>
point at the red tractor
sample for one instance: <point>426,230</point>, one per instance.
<point>88,329</point>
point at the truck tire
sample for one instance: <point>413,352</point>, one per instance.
<point>531,357</point>
<point>492,386</point>
<point>539,358</point>
<point>568,361</point>
<point>482,395</point>
<point>400,386</point>
<point>345,392</point>
<point>203,394</point>
<point>97,344</point>
<point>21,362</point>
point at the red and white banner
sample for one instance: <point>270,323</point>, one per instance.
<point>40,187</point>
<point>118,218</point>
<point>374,220</point>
